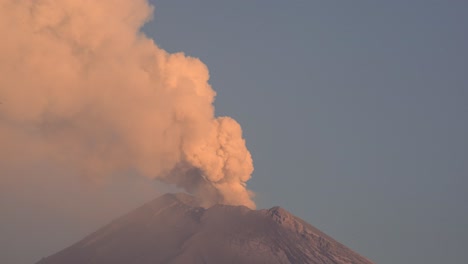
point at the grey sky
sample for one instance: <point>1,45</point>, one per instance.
<point>355,113</point>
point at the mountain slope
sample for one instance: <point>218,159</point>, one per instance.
<point>174,229</point>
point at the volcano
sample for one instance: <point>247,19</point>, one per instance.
<point>175,229</point>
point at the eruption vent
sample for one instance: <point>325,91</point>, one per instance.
<point>82,85</point>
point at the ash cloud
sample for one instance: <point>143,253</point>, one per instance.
<point>83,86</point>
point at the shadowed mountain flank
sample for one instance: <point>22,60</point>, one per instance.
<point>175,229</point>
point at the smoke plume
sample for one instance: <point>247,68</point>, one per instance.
<point>81,85</point>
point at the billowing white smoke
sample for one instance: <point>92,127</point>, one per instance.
<point>83,86</point>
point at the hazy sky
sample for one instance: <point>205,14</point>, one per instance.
<point>355,113</point>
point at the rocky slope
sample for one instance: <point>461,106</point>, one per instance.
<point>174,229</point>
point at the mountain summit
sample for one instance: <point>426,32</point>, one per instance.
<point>175,229</point>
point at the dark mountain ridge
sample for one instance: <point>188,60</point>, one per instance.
<point>175,229</point>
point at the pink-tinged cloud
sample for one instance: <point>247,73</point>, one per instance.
<point>83,86</point>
